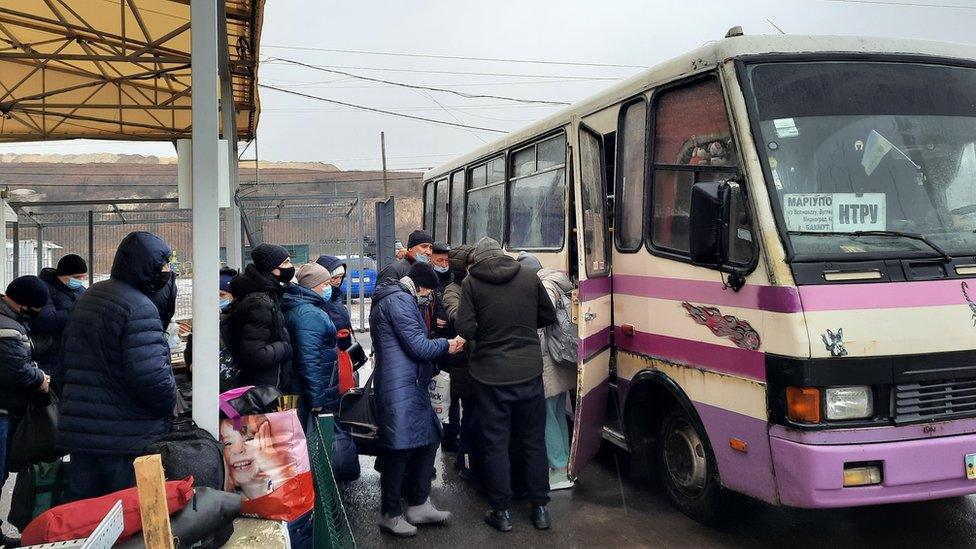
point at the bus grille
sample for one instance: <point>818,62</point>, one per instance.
<point>935,400</point>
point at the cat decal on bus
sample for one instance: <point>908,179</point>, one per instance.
<point>738,331</point>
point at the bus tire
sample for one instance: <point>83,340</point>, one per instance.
<point>688,469</point>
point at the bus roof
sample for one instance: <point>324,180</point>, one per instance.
<point>705,58</point>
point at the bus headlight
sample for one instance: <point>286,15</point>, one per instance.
<point>855,402</point>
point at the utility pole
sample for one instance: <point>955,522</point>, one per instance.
<point>386,188</point>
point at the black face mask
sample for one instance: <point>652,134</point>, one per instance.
<point>287,273</point>
<point>160,280</point>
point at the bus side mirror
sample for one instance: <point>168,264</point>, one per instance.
<point>720,235</point>
<point>708,229</point>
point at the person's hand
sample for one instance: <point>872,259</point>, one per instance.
<point>45,385</point>
<point>441,323</point>
<point>317,410</point>
<point>455,345</point>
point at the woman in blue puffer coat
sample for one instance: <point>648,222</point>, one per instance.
<point>408,427</point>
<point>313,341</point>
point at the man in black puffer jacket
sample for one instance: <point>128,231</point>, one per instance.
<point>65,284</point>
<point>119,391</point>
<point>259,338</point>
<point>503,305</point>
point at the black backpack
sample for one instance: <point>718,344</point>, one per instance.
<point>189,450</point>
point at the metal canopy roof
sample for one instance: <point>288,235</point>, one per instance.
<point>114,69</point>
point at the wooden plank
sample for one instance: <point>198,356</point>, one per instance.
<point>151,485</point>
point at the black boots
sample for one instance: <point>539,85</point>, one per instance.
<point>499,520</point>
<point>540,517</point>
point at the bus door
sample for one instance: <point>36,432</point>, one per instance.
<point>594,298</point>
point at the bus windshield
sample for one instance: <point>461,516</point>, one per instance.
<point>860,153</point>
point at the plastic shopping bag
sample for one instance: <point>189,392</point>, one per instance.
<point>266,460</point>
<point>440,395</point>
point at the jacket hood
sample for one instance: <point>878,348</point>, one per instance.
<point>331,262</point>
<point>296,295</point>
<point>458,260</point>
<point>386,289</point>
<point>491,264</point>
<point>253,281</point>
<point>50,276</point>
<point>140,256</point>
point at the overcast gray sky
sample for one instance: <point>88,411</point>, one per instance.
<point>632,32</point>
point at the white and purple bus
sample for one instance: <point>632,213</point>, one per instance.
<point>774,240</point>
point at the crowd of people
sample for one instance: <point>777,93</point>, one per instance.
<point>472,311</point>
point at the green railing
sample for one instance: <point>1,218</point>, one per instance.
<point>331,524</point>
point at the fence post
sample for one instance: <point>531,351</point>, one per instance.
<point>91,247</point>
<point>16,270</point>
<point>362,301</point>
<point>349,261</point>
<point>40,248</point>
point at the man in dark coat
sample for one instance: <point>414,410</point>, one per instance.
<point>441,264</point>
<point>66,283</point>
<point>461,416</point>
<point>20,377</point>
<point>119,391</point>
<point>409,429</point>
<point>336,304</point>
<point>165,301</point>
<point>259,339</point>
<point>503,305</point>
<point>420,246</point>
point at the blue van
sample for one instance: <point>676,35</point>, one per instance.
<point>360,270</point>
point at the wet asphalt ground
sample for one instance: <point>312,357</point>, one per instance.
<point>605,509</point>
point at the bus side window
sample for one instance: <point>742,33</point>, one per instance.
<point>629,199</point>
<point>456,235</point>
<point>593,197</point>
<point>440,218</point>
<point>485,207</point>
<point>692,142</point>
<point>429,206</point>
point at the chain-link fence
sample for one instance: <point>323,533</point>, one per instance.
<point>308,226</point>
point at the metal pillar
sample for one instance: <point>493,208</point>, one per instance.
<point>16,271</point>
<point>206,213</point>
<point>40,249</point>
<point>348,262</point>
<point>91,248</point>
<point>228,113</point>
<point>3,243</point>
<point>362,254</point>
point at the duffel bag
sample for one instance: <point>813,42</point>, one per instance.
<point>38,488</point>
<point>188,450</point>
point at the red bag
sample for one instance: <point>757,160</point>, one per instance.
<point>346,380</point>
<point>78,519</point>
<point>291,500</point>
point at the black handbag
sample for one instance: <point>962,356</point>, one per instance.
<point>35,440</point>
<point>189,450</point>
<point>357,416</point>
<point>358,355</point>
<point>208,519</point>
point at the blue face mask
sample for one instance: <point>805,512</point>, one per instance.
<point>75,284</point>
<point>422,258</point>
<point>441,270</point>
<point>224,303</point>
<point>327,292</point>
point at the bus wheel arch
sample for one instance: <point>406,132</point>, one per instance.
<point>656,409</point>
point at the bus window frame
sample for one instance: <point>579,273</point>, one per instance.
<point>484,162</point>
<point>433,230</point>
<point>450,203</point>
<point>510,181</point>
<point>670,253</point>
<point>618,187</point>
<point>427,185</point>
<point>607,247</point>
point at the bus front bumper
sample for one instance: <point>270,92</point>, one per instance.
<point>812,475</point>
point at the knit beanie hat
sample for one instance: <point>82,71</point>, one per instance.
<point>419,237</point>
<point>423,275</point>
<point>72,264</point>
<point>28,291</point>
<point>311,275</point>
<point>267,257</point>
<point>339,271</point>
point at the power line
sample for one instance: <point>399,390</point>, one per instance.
<point>902,4</point>
<point>435,56</point>
<point>276,60</point>
<point>417,87</point>
<point>381,111</point>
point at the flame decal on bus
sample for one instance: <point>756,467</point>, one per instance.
<point>738,331</point>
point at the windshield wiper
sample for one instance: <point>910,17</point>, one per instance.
<point>914,236</point>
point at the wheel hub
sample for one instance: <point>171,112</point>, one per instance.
<point>684,455</point>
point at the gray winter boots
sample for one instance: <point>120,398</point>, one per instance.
<point>426,513</point>
<point>398,526</point>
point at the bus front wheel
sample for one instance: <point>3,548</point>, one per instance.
<point>688,470</point>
